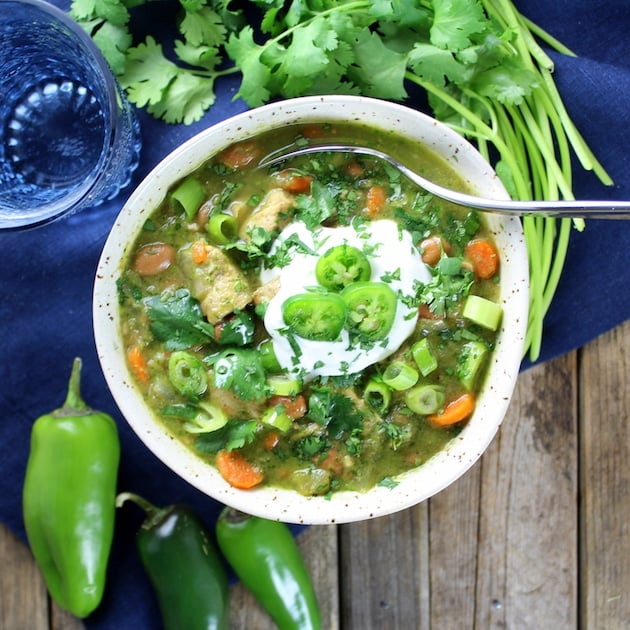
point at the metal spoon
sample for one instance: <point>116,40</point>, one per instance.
<point>573,209</point>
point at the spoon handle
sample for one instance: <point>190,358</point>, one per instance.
<point>577,209</point>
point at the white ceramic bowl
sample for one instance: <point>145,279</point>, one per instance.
<point>287,505</point>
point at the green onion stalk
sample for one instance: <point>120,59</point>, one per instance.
<point>534,141</point>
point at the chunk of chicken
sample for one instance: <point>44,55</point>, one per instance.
<point>271,214</point>
<point>217,282</point>
<point>265,293</point>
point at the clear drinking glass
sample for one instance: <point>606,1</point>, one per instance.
<point>69,139</point>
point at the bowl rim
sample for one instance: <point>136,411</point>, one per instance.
<point>413,486</point>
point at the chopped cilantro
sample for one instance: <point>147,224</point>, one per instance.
<point>397,433</point>
<point>444,291</point>
<point>387,482</point>
<point>126,289</point>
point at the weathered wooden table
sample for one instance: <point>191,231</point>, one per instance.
<point>536,535</point>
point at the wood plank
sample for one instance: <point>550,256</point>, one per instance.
<point>454,523</point>
<point>605,481</point>
<point>384,572</point>
<point>319,546</point>
<point>527,572</point>
<point>24,602</point>
<point>23,598</point>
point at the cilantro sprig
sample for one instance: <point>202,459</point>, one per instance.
<point>480,63</point>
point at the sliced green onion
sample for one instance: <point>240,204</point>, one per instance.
<point>424,357</point>
<point>209,418</point>
<point>377,395</point>
<point>277,419</point>
<point>222,228</point>
<point>189,194</point>
<point>187,374</point>
<point>268,357</point>
<point>483,312</point>
<point>469,362</point>
<point>400,376</point>
<point>281,385</point>
<point>425,399</point>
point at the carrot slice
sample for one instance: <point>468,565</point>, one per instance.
<point>138,364</point>
<point>199,252</point>
<point>375,200</point>
<point>456,411</point>
<point>483,256</point>
<point>237,471</point>
<point>293,182</point>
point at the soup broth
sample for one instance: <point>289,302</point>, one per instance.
<point>320,325</point>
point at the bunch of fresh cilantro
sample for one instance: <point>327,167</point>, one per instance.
<point>287,49</point>
<point>478,61</point>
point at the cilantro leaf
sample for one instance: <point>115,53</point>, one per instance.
<point>335,411</point>
<point>345,418</point>
<point>455,22</point>
<point>506,83</point>
<point>235,434</point>
<point>379,70</point>
<point>244,51</point>
<point>177,320</point>
<point>202,56</point>
<point>308,447</point>
<point>113,41</point>
<point>203,26</point>
<point>315,208</point>
<point>112,11</point>
<point>435,64</point>
<point>185,99</point>
<point>242,372</point>
<point>148,73</point>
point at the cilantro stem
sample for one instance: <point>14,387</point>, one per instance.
<point>558,263</point>
<point>477,123</point>
<point>350,7</point>
<point>583,152</point>
<point>546,37</point>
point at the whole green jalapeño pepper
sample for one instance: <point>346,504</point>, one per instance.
<point>69,499</point>
<point>183,566</point>
<point>266,558</point>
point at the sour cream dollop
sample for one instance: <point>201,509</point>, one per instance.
<point>394,259</point>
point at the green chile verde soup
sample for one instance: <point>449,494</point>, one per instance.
<point>320,325</point>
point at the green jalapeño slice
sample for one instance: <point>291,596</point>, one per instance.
<point>315,316</point>
<point>342,265</point>
<point>371,309</point>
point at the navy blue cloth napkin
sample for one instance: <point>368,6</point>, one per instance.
<point>46,277</point>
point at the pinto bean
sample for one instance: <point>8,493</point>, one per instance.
<point>154,258</point>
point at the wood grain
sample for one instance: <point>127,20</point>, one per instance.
<point>605,481</point>
<point>527,576</point>
<point>535,535</point>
